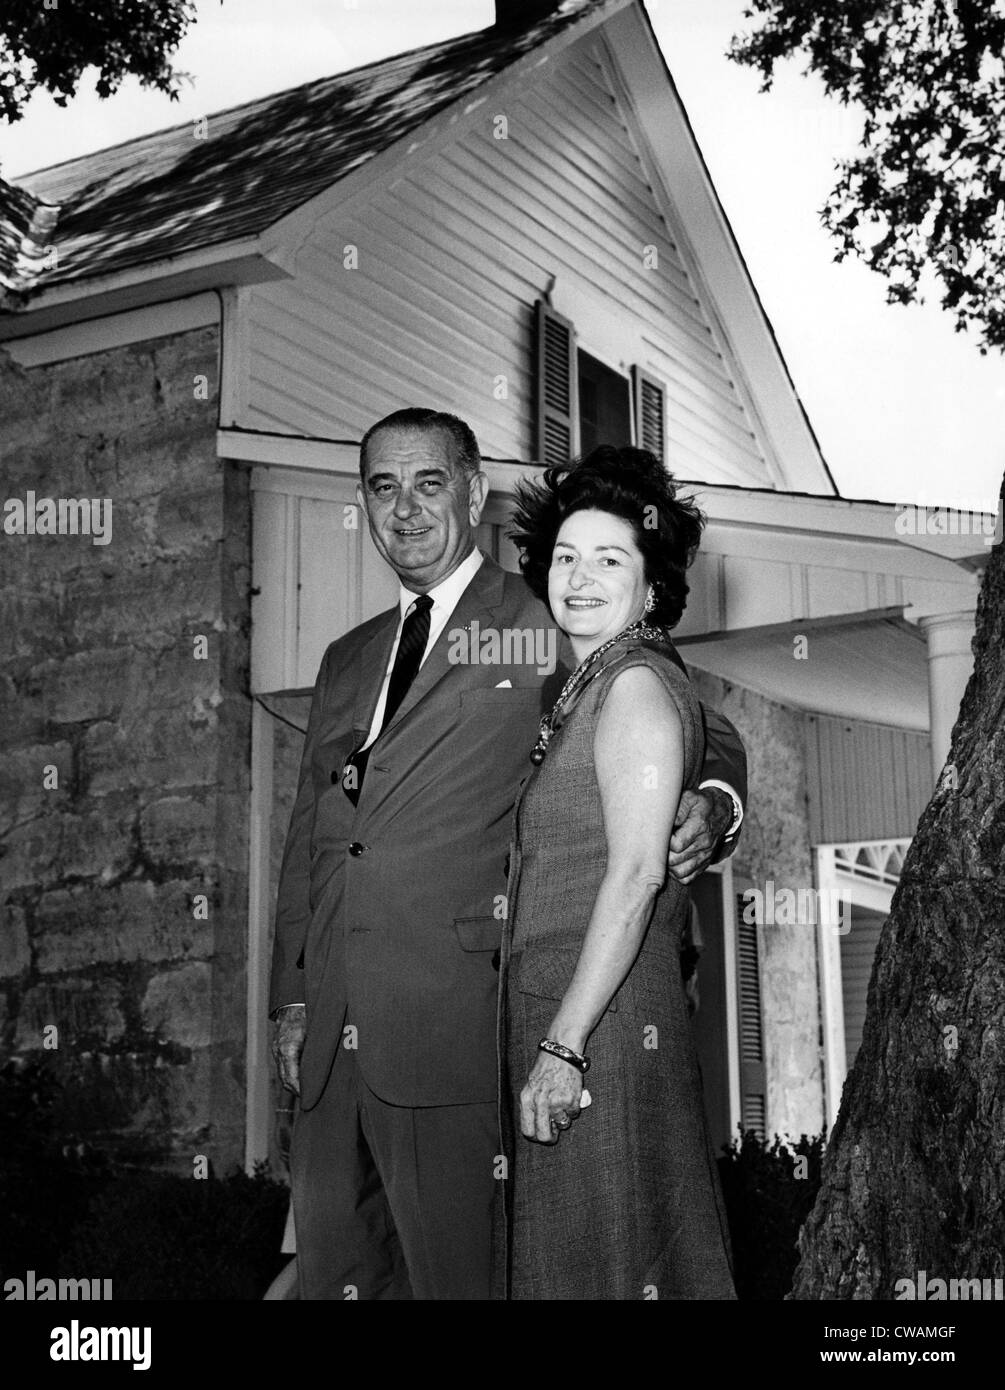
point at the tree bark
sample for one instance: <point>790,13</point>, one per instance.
<point>914,1174</point>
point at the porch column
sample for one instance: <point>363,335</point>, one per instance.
<point>950,665</point>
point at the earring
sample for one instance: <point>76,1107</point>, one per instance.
<point>650,600</point>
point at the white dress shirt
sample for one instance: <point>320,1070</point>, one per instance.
<point>446,597</point>
<point>737,820</point>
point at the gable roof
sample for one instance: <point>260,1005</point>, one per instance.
<point>169,193</point>
<point>170,214</point>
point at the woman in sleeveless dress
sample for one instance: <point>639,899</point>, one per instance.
<point>611,1190</point>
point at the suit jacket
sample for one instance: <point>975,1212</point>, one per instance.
<point>389,916</point>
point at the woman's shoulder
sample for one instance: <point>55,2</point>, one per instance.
<point>639,655</point>
<point>646,677</point>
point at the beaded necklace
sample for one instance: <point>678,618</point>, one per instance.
<point>583,675</point>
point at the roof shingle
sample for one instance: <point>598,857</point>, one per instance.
<point>165,194</point>
<point>26,225</point>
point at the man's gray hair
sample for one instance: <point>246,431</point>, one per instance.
<point>416,417</point>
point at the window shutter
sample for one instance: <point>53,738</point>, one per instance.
<point>753,1087</point>
<point>557,387</point>
<point>858,954</point>
<point>650,399</point>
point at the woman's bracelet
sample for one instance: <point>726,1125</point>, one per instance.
<point>566,1054</point>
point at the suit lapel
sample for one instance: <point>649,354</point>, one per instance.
<point>478,601</point>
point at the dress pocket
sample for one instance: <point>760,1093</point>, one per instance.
<point>546,971</point>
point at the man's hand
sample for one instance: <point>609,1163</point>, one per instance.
<point>702,817</point>
<point>288,1034</point>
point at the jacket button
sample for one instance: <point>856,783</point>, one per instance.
<point>356,848</point>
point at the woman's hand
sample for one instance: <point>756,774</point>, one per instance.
<point>551,1099</point>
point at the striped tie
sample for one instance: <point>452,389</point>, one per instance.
<point>407,660</point>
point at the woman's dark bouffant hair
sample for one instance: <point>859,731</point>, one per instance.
<point>629,483</point>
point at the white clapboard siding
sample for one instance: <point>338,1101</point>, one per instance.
<point>864,781</point>
<point>453,256</point>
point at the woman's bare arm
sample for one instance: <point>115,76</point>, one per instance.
<point>639,751</point>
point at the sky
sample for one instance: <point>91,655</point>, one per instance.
<point>906,409</point>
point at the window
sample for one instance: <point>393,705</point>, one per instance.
<point>605,412</point>
<point>582,402</point>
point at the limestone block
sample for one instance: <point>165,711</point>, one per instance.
<point>136,920</point>
<point>177,1005</point>
<point>86,1014</point>
<point>15,948</point>
<point>178,829</point>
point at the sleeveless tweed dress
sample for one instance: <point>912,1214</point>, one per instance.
<point>627,1204</point>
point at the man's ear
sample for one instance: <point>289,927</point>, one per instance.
<point>478,492</point>
<point>361,498</point>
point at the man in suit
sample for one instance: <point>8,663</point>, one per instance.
<point>392,890</point>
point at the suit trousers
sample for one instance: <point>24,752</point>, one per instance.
<point>390,1201</point>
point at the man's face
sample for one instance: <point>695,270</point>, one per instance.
<point>421,505</point>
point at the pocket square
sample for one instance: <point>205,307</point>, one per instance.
<point>504,685</point>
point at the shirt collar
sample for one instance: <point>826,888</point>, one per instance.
<point>445,596</point>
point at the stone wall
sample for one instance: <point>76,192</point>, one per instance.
<point>124,805</point>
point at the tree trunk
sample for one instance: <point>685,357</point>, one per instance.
<point>914,1175</point>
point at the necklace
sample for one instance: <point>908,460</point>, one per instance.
<point>581,678</point>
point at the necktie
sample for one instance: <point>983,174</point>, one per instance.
<point>407,659</point>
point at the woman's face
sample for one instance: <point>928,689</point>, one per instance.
<point>597,583</point>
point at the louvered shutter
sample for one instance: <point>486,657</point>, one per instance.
<point>858,953</point>
<point>650,401</point>
<point>753,1087</point>
<point>557,388</point>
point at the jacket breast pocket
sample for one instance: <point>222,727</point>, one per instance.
<point>522,699</point>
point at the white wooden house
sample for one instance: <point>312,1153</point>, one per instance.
<point>518,226</point>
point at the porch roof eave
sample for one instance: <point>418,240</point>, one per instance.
<point>931,528</point>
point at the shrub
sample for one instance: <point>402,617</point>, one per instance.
<point>45,1184</point>
<point>157,1236</point>
<point>67,1211</point>
<point>766,1204</point>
